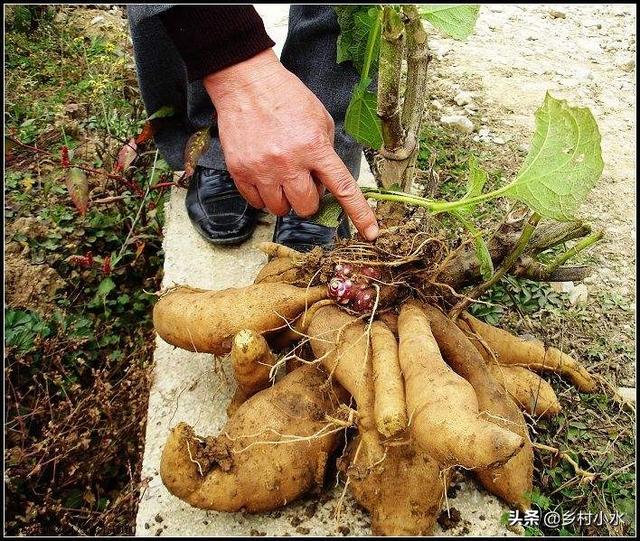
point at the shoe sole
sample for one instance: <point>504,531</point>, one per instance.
<point>226,242</point>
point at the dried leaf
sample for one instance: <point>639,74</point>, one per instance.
<point>146,134</point>
<point>127,154</point>
<point>78,187</point>
<point>9,148</point>
<point>197,144</point>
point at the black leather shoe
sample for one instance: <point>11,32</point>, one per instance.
<point>303,235</point>
<point>217,210</point>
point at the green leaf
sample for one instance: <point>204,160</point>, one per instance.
<point>482,251</point>
<point>355,24</point>
<point>163,112</point>
<point>106,286</point>
<point>477,178</point>
<point>328,213</point>
<point>362,121</point>
<point>455,20</point>
<point>564,163</point>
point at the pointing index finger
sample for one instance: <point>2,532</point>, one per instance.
<point>332,172</point>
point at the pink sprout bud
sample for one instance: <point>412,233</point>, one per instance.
<point>363,300</point>
<point>371,272</point>
<point>343,270</point>
<point>340,290</point>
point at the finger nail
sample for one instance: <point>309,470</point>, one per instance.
<point>371,232</point>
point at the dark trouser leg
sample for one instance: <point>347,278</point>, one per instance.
<point>309,52</point>
<point>162,77</point>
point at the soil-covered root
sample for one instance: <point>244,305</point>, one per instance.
<point>275,250</point>
<point>340,342</point>
<point>404,492</point>
<point>274,449</point>
<point>530,391</point>
<point>508,349</point>
<point>513,480</point>
<point>390,409</point>
<point>206,321</point>
<point>252,361</point>
<point>442,406</point>
<point>390,319</point>
<point>279,269</point>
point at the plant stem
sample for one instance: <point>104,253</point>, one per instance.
<point>430,204</point>
<point>417,60</point>
<point>371,43</point>
<point>389,75</point>
<point>416,87</point>
<point>133,187</point>
<point>506,265</point>
<point>574,250</point>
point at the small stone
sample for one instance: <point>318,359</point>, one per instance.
<point>463,98</point>
<point>562,287</point>
<point>579,295</point>
<point>459,122</point>
<point>628,64</point>
<point>499,141</point>
<point>628,393</point>
<point>437,104</point>
<point>583,74</point>
<point>97,19</point>
<point>592,23</point>
<point>557,14</point>
<point>523,148</point>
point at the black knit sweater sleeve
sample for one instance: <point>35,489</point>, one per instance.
<point>210,38</point>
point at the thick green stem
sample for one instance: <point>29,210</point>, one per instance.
<point>389,76</point>
<point>506,265</point>
<point>417,61</point>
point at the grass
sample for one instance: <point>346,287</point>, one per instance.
<point>79,288</point>
<point>596,430</point>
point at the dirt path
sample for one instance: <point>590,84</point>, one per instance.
<point>586,54</point>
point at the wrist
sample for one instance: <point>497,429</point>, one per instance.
<point>241,77</point>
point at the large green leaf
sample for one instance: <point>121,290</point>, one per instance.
<point>355,24</point>
<point>564,163</point>
<point>455,20</point>
<point>362,121</point>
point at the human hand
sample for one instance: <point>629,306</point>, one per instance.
<point>277,140</point>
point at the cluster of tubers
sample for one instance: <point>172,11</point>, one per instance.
<point>426,394</point>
